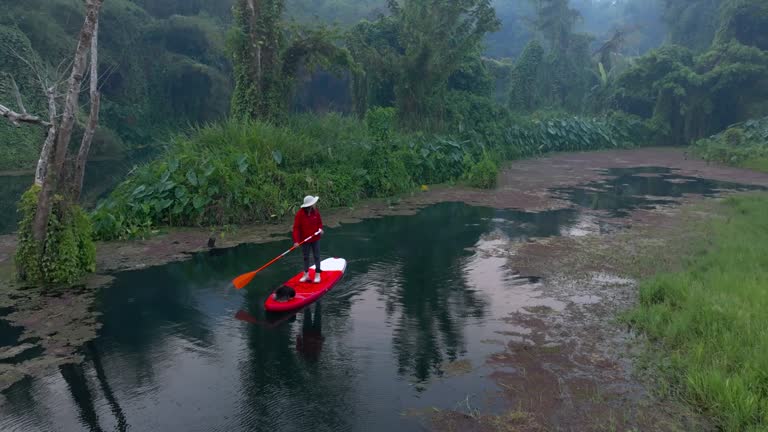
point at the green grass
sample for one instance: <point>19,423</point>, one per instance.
<point>711,320</point>
<point>758,164</point>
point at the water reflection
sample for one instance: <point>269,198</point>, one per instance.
<point>414,265</point>
<point>74,376</point>
<point>85,397</point>
<point>109,395</point>
<point>642,188</point>
<point>309,342</point>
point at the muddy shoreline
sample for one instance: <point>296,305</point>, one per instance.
<point>576,355</point>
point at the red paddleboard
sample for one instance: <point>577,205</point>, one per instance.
<point>309,292</point>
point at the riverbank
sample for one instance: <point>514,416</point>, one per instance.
<point>522,185</point>
<point>577,362</point>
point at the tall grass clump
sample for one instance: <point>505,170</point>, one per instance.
<point>711,320</point>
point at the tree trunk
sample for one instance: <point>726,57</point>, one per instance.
<point>52,180</point>
<point>93,119</point>
<point>255,42</point>
<point>42,163</point>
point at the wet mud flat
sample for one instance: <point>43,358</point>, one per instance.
<point>574,234</point>
<point>566,362</point>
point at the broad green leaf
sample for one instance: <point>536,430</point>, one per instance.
<point>167,185</point>
<point>198,202</point>
<point>163,204</point>
<point>180,192</point>
<point>192,177</point>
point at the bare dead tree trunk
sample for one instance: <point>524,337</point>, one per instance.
<point>93,119</point>
<point>45,153</point>
<point>53,180</point>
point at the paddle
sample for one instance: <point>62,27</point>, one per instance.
<point>241,281</point>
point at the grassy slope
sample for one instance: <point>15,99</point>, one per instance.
<point>711,320</point>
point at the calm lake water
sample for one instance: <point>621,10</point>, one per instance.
<point>181,350</point>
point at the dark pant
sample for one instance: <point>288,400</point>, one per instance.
<point>315,248</point>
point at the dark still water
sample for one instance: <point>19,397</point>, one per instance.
<point>180,350</point>
<point>643,188</point>
<point>408,328</point>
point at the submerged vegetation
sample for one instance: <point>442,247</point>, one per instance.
<point>711,322</point>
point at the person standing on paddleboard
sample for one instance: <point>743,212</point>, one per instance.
<point>307,223</point>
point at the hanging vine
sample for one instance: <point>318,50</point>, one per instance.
<point>267,59</point>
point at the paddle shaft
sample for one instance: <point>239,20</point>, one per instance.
<point>279,257</point>
<point>243,280</point>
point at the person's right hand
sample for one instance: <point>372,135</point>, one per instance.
<point>295,245</point>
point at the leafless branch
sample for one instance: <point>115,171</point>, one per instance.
<point>40,70</point>
<point>19,102</point>
<point>17,118</point>
<point>106,75</point>
<point>18,55</point>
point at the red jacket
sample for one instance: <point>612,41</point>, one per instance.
<point>304,225</point>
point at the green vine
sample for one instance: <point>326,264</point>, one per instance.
<point>522,95</point>
<point>69,252</point>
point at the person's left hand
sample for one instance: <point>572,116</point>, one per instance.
<point>320,231</point>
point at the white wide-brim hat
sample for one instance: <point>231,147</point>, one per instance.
<point>309,201</point>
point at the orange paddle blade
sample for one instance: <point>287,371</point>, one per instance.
<point>241,281</point>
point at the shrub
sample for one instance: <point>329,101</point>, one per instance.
<point>381,123</point>
<point>744,145</point>
<point>484,173</point>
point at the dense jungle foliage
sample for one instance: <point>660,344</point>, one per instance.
<point>428,90</point>
<point>164,66</point>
